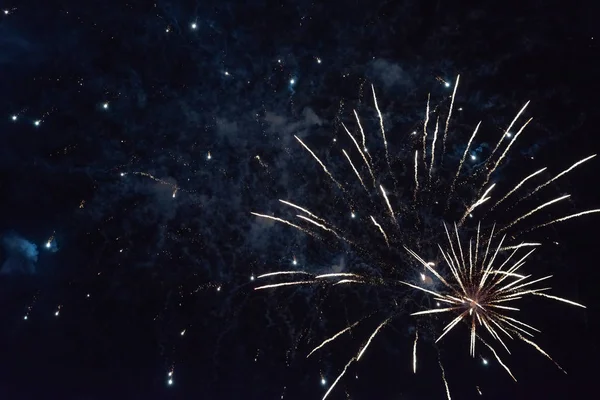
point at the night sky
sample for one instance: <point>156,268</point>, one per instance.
<point>136,138</point>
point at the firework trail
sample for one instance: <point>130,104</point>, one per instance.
<point>476,289</point>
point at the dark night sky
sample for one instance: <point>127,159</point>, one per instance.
<point>95,93</point>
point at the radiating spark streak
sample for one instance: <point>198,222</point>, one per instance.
<point>425,129</point>
<point>387,202</point>
<point>451,325</point>
<point>515,326</point>
<point>387,157</point>
<point>321,226</point>
<point>282,221</point>
<point>415,351</point>
<point>301,209</point>
<point>337,274</point>
<point>362,132</point>
<point>448,261</point>
<point>381,230</point>
<point>284,284</point>
<point>494,334</point>
<point>420,288</point>
<point>449,116</point>
<point>364,349</point>
<point>435,310</point>
<point>361,154</point>
<point>566,171</point>
<point>533,212</point>
<point>470,261</point>
<point>339,377</point>
<point>487,249</point>
<point>530,283</point>
<point>464,157</point>
<point>520,245</point>
<point>507,299</point>
<point>282,273</point>
<point>538,348</point>
<point>444,379</point>
<point>331,339</point>
<point>477,241</point>
<point>435,132</point>
<point>499,161</point>
<point>518,295</point>
<point>520,323</point>
<point>560,299</point>
<point>499,360</point>
<point>504,307</point>
<point>507,273</point>
<point>347,281</point>
<point>462,258</point>
<point>510,285</point>
<point>455,270</point>
<point>416,175</point>
<point>501,328</point>
<point>579,214</point>
<point>508,130</point>
<point>479,202</point>
<point>319,161</point>
<point>489,267</point>
<point>472,345</point>
<point>355,170</point>
<point>517,187</point>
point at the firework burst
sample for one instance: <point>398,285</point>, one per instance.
<point>399,203</point>
<point>482,292</point>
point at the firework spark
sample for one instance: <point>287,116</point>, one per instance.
<point>415,351</point>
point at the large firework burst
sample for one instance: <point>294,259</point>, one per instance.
<point>426,190</point>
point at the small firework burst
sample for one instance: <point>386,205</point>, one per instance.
<point>482,291</point>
